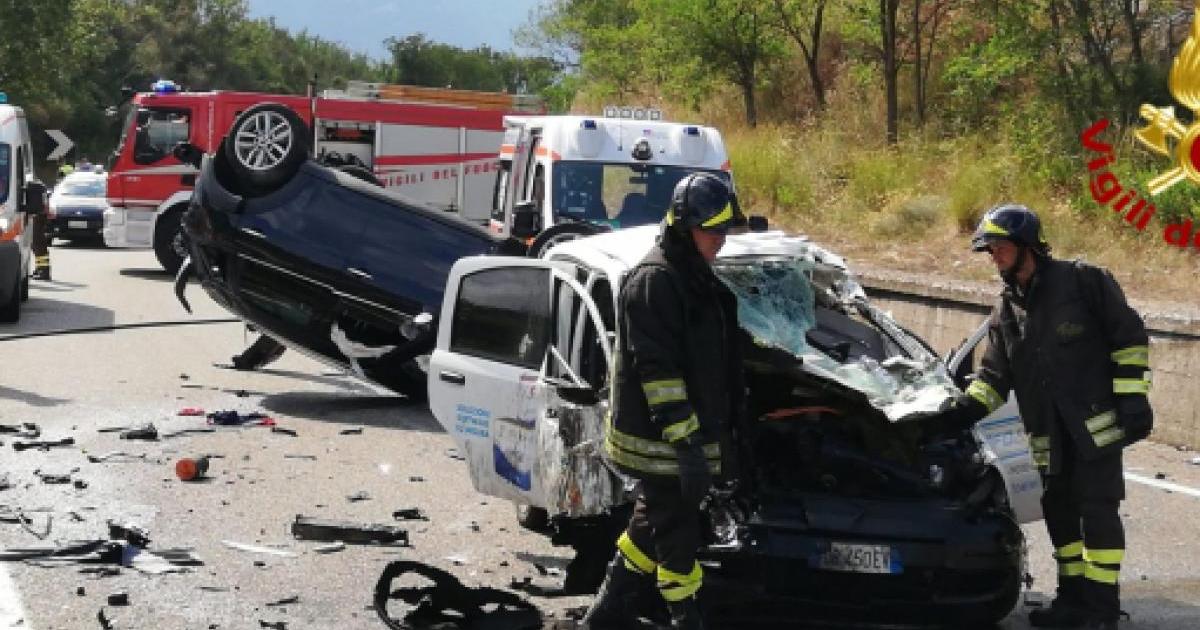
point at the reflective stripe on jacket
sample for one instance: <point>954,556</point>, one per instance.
<point>1067,348</point>
<point>677,368</point>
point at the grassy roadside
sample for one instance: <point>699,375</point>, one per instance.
<point>912,207</point>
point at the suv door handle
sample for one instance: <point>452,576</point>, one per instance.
<point>452,377</point>
<point>354,271</point>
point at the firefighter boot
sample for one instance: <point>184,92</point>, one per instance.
<point>613,607</point>
<point>685,614</point>
<point>1104,605</point>
<point>42,270</point>
<point>1068,608</point>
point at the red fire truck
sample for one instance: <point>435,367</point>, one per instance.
<point>439,146</point>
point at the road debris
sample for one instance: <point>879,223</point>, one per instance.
<point>145,432</point>
<point>294,599</point>
<point>351,431</point>
<point>299,456</point>
<point>453,453</point>
<point>191,469</point>
<point>410,514</point>
<point>118,599</point>
<point>54,478</point>
<point>361,495</point>
<point>309,528</point>
<point>190,411</point>
<point>5,484</point>
<point>129,533</point>
<point>175,434</point>
<point>279,429</point>
<point>43,445</point>
<point>283,553</point>
<point>447,602</point>
<point>80,484</point>
<point>1196,461</point>
<point>330,548</point>
<point>26,430</point>
<point>273,625</point>
<point>235,418</point>
<point>118,457</point>
<point>105,623</point>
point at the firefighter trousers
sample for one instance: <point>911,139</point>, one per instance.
<point>1080,505</point>
<point>662,539</point>
<point>40,243</point>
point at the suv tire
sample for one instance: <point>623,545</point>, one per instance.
<point>265,147</point>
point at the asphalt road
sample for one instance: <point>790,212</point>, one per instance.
<point>75,385</point>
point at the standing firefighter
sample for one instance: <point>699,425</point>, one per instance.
<point>1076,355</point>
<point>677,386</point>
<point>41,242</point>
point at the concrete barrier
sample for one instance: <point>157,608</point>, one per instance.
<point>945,313</point>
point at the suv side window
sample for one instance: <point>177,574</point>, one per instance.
<point>158,131</point>
<point>503,315</point>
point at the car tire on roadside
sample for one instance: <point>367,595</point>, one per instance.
<point>265,147</point>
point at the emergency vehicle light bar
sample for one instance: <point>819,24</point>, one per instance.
<point>636,113</point>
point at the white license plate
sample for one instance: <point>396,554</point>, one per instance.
<point>853,558</point>
<point>77,225</point>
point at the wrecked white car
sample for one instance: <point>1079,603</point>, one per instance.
<point>851,497</point>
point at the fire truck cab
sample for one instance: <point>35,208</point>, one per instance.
<point>561,177</point>
<point>437,146</point>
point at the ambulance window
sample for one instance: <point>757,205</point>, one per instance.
<point>5,170</point>
<point>503,315</point>
<point>158,131</point>
<point>501,190</point>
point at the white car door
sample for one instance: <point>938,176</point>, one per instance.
<point>1003,440</point>
<point>512,336</point>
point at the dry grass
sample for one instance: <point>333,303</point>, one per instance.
<point>912,207</point>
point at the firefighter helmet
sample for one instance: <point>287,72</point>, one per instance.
<point>702,200</point>
<point>1012,222</point>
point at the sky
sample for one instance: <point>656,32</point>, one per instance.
<point>362,25</point>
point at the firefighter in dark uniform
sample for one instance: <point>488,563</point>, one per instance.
<point>677,385</point>
<point>41,242</point>
<point>1066,342</point>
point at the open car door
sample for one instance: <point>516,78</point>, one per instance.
<point>518,381</point>
<point>1002,437</point>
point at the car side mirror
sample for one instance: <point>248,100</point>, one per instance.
<point>583,395</point>
<point>418,326</point>
<point>35,198</point>
<point>188,153</point>
<point>524,220</point>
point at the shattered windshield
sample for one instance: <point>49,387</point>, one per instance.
<point>620,195</point>
<point>820,315</point>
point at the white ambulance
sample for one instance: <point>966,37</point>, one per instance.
<point>565,176</point>
<point>21,197</point>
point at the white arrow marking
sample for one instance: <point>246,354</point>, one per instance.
<point>63,143</point>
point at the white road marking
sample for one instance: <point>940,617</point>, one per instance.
<point>1163,485</point>
<point>11,613</point>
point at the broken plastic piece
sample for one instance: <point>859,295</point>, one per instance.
<point>131,534</point>
<point>118,599</point>
<point>308,528</point>
<point>410,514</point>
<point>258,549</point>
<point>27,430</point>
<point>144,432</point>
<point>446,601</point>
<point>234,418</point>
<point>278,429</point>
<point>44,445</point>
<point>190,411</point>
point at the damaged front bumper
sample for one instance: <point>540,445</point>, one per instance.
<point>926,562</point>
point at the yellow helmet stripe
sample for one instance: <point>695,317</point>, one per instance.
<point>991,228</point>
<point>724,215</point>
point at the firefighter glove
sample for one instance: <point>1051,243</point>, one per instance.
<point>694,476</point>
<point>1135,416</point>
